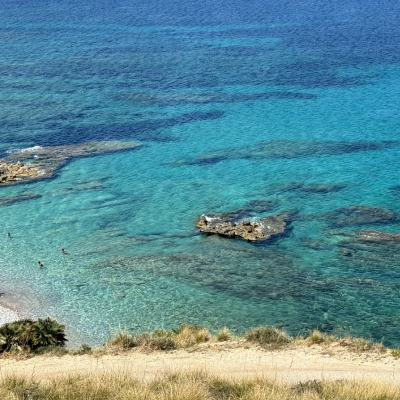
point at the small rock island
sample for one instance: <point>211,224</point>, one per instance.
<point>224,224</point>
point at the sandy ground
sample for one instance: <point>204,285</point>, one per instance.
<point>227,359</point>
<point>7,315</point>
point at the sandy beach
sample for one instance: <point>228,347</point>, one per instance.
<point>7,315</point>
<point>287,365</point>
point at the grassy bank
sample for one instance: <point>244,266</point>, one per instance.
<point>27,337</point>
<point>270,338</point>
<point>126,358</point>
<point>190,386</point>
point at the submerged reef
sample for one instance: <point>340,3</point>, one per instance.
<point>360,215</point>
<point>43,162</point>
<point>276,149</point>
<point>301,188</point>
<point>6,201</point>
<point>370,250</point>
<point>225,225</point>
<point>378,236</point>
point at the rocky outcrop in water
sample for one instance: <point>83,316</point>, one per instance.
<point>223,224</point>
<point>43,162</point>
<point>10,172</point>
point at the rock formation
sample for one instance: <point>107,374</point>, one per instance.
<point>10,172</point>
<point>45,161</point>
<point>224,224</point>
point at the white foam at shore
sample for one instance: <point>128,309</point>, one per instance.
<point>7,315</point>
<point>13,150</point>
<point>29,149</point>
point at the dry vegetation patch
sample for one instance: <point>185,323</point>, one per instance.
<point>190,386</point>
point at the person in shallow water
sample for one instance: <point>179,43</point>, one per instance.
<point>40,264</point>
<point>8,234</point>
<point>63,250</point>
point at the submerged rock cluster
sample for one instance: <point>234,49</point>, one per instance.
<point>223,225</point>
<point>6,201</point>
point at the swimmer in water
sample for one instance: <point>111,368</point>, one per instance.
<point>63,250</point>
<point>40,264</point>
<point>8,234</point>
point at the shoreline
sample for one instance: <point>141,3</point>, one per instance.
<point>8,314</point>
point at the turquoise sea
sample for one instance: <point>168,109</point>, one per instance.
<point>293,102</point>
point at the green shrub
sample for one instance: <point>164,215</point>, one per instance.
<point>268,337</point>
<point>52,350</point>
<point>29,335</point>
<point>48,332</point>
<point>84,349</point>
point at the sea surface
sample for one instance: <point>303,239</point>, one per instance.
<point>294,102</point>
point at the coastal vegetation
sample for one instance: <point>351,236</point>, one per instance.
<point>194,385</point>
<point>27,337</point>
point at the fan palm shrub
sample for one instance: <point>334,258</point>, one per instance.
<point>30,335</point>
<point>48,332</point>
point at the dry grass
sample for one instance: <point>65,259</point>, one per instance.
<point>271,338</point>
<point>224,334</point>
<point>190,386</point>
<point>396,353</point>
<point>190,335</point>
<point>352,344</point>
<point>182,337</point>
<point>317,337</point>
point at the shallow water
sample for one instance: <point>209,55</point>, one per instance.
<point>258,93</point>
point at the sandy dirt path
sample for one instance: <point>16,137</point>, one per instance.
<point>289,365</point>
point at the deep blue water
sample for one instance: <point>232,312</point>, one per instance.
<point>233,102</point>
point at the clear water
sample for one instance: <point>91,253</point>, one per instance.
<point>186,79</point>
